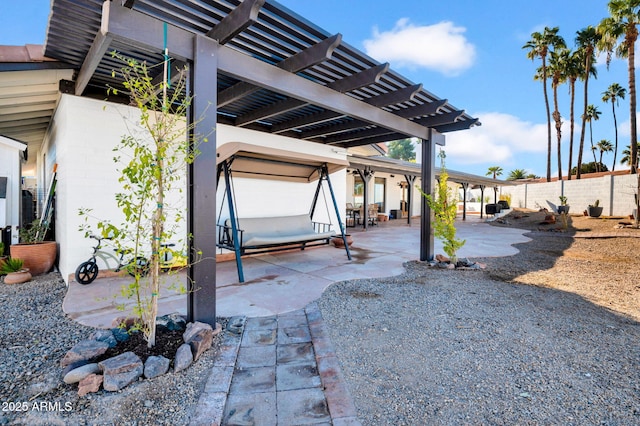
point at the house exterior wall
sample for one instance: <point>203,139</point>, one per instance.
<point>81,141</point>
<point>10,165</point>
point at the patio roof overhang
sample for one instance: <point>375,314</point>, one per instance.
<point>393,166</point>
<point>260,66</point>
<point>277,72</point>
<point>262,162</point>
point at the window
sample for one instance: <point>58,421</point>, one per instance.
<point>358,191</point>
<point>379,193</point>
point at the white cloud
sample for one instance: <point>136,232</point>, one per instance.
<point>441,47</point>
<point>500,137</point>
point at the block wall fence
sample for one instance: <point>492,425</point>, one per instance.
<point>616,194</point>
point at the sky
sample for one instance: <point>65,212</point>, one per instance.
<point>466,51</point>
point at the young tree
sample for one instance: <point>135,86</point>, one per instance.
<point>539,47</point>
<point>150,158</point>
<point>586,41</point>
<point>613,94</point>
<point>445,209</point>
<point>402,149</point>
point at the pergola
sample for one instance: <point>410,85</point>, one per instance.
<point>366,167</point>
<point>257,65</point>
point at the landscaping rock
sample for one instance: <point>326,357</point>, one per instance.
<point>83,351</point>
<point>121,370</point>
<point>236,325</point>
<point>91,383</point>
<point>199,336</point>
<point>171,322</point>
<point>156,366</point>
<point>120,334</point>
<point>195,328</point>
<point>184,358</point>
<point>104,336</point>
<point>78,374</point>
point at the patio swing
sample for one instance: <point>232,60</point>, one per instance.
<point>251,235</point>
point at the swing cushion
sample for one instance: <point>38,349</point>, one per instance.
<point>273,231</point>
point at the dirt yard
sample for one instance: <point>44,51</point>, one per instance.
<point>596,258</point>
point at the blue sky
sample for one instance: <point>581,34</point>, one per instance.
<point>467,51</point>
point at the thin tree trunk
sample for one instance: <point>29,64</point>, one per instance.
<point>593,148</point>
<point>546,104</point>
<point>584,115</point>
<point>558,121</point>
<point>632,108</point>
<point>615,125</point>
<point>572,88</point>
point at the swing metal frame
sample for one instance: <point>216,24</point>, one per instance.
<point>230,234</point>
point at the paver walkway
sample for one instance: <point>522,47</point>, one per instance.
<point>277,370</point>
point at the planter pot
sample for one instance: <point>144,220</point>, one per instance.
<point>594,211</point>
<point>37,257</point>
<point>17,277</point>
<point>563,209</point>
<point>338,242</point>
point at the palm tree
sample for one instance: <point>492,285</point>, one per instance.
<point>572,71</point>
<point>626,154</point>
<point>539,46</point>
<point>592,115</point>
<point>621,29</point>
<point>586,41</point>
<point>495,171</point>
<point>613,94</point>
<point>603,146</point>
<point>557,66</point>
<point>516,174</point>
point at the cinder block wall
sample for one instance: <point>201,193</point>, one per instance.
<point>616,194</point>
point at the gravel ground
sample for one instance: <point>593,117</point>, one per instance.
<point>35,334</point>
<point>548,336</point>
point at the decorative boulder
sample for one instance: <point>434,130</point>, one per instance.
<point>199,336</point>
<point>104,336</point>
<point>184,358</point>
<point>91,383</point>
<point>156,366</point>
<point>121,371</point>
<point>83,351</point>
<point>171,322</point>
<point>78,374</point>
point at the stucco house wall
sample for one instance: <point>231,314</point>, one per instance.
<point>11,154</point>
<point>81,140</point>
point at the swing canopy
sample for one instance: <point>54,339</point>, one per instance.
<point>263,162</point>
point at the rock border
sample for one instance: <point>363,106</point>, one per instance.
<point>115,373</point>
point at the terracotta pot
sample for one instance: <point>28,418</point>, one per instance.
<point>37,257</point>
<point>338,242</point>
<point>17,277</point>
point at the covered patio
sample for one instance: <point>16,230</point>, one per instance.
<point>287,281</point>
<point>252,64</point>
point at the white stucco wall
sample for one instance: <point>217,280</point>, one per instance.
<point>10,165</point>
<point>616,194</point>
<point>81,139</point>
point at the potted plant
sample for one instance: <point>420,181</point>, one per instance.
<point>594,209</point>
<point>14,270</point>
<point>38,255</point>
<point>2,256</point>
<point>338,241</point>
<point>563,207</point>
